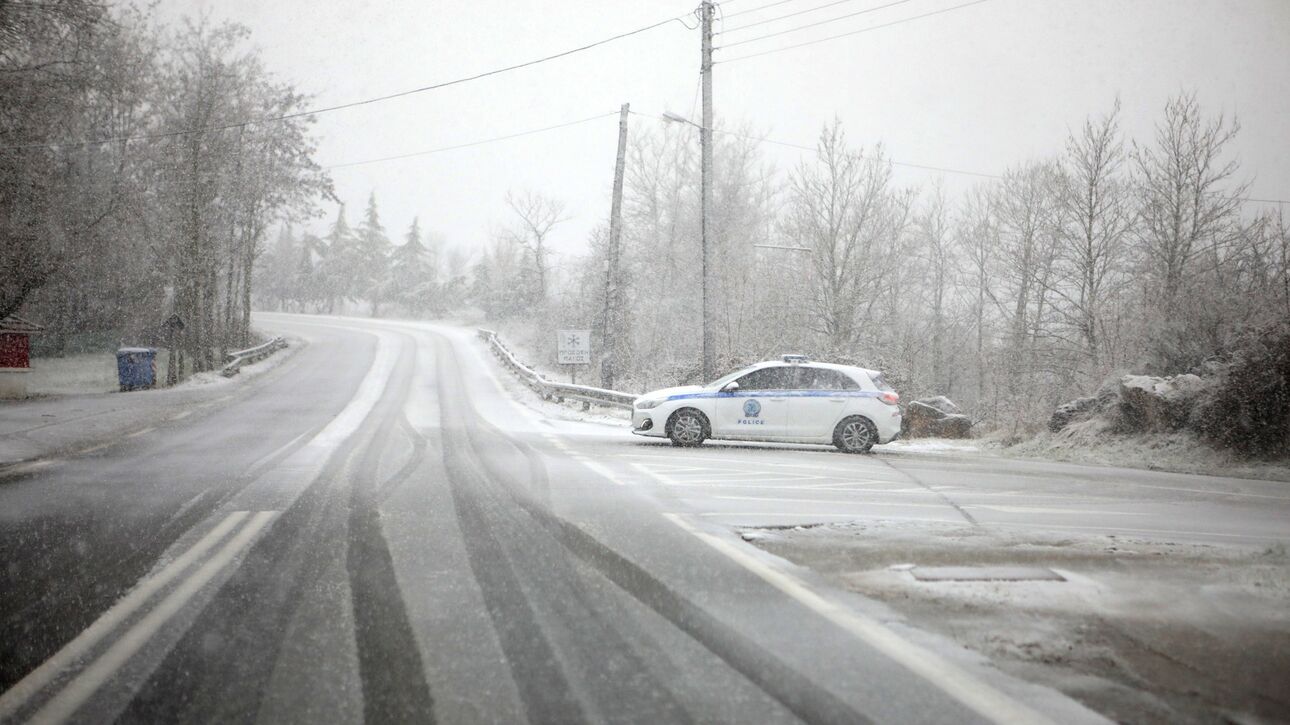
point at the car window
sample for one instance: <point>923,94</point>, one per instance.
<point>880,384</point>
<point>773,378</point>
<point>824,379</point>
<point>727,378</point>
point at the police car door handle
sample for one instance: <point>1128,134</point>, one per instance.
<point>837,400</point>
<point>778,400</point>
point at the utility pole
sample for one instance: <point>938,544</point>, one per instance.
<point>613,290</point>
<point>705,143</point>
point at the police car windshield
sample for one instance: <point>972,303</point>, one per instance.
<point>721,381</point>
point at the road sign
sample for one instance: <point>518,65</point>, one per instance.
<point>573,347</point>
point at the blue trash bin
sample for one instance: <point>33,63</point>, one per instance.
<point>136,368</point>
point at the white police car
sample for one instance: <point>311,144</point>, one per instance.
<point>790,400</point>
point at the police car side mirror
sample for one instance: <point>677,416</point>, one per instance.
<point>730,387</point>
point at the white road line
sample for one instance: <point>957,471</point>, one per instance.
<point>603,471</point>
<point>73,651</point>
<point>816,516</point>
<point>750,461</point>
<point>951,679</point>
<point>181,415</point>
<point>901,504</point>
<point>1043,510</point>
<point>29,467</point>
<point>275,453</point>
<point>85,684</point>
<point>138,433</point>
<point>763,487</point>
<point>802,515</point>
<point>660,477</point>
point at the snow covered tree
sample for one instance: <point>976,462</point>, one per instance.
<point>1096,197</point>
<point>336,276</point>
<point>536,216</point>
<point>372,258</point>
<point>412,279</point>
<point>845,207</point>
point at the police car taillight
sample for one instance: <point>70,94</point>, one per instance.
<point>890,398</point>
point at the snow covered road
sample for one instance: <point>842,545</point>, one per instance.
<point>381,530</point>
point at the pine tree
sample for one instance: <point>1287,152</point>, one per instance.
<point>411,283</point>
<point>372,269</point>
<point>336,278</point>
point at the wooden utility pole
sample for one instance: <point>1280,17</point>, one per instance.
<point>613,289</point>
<point>705,233</point>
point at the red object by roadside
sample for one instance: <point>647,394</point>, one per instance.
<point>15,342</point>
<point>15,350</point>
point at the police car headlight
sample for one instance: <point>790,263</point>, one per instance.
<point>647,404</point>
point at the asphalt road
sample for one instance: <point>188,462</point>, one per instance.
<point>379,532</point>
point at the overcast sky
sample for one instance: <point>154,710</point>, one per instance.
<point>976,89</point>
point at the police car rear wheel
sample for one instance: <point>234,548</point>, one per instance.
<point>687,427</point>
<point>855,435</point>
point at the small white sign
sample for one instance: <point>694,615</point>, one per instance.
<point>573,347</point>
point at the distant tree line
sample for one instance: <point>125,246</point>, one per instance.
<point>360,270</point>
<point>1032,288</point>
<point>138,178</point>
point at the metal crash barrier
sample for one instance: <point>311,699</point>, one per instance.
<point>551,390</point>
<point>237,359</point>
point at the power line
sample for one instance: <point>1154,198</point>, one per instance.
<point>351,104</point>
<point>853,32</point>
<point>481,142</point>
<point>759,7</point>
<point>761,139</point>
<point>921,167</point>
<point>816,24</point>
<point>785,17</point>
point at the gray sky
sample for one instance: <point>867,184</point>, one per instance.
<point>976,89</point>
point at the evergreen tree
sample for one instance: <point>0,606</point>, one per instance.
<point>372,258</point>
<point>336,278</point>
<point>411,277</point>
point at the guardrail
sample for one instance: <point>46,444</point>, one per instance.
<point>548,389</point>
<point>237,359</point>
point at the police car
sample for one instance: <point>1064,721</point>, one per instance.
<point>789,400</point>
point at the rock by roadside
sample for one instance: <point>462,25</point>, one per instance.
<point>935,417</point>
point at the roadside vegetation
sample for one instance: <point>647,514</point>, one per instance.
<point>1112,256</point>
<point>137,181</point>
<point>152,174</point>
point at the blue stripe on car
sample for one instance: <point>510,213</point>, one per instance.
<point>781,394</point>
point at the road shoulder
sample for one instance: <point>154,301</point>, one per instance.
<point>36,431</point>
<point>1140,630</point>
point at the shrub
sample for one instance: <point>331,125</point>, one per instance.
<point>1249,408</point>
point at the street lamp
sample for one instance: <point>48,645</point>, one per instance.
<point>673,118</point>
<point>705,145</point>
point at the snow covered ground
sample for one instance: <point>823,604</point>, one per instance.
<point>1078,443</point>
<point>91,373</point>
<point>929,445</point>
<point>1141,630</point>
<point>78,374</point>
<point>79,415</point>
<point>1180,452</point>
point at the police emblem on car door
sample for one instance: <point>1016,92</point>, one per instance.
<point>758,407</point>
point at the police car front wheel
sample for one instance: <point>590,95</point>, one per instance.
<point>687,427</point>
<point>855,435</point>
